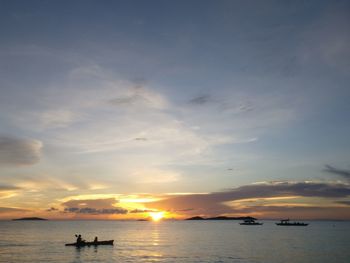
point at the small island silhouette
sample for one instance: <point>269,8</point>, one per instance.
<point>222,218</point>
<point>29,219</point>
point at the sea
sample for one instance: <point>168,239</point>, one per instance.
<point>175,241</point>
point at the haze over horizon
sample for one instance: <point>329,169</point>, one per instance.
<point>130,109</point>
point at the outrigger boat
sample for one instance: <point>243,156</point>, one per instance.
<point>286,222</point>
<point>93,243</point>
<point>250,222</point>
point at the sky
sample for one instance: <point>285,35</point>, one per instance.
<point>127,109</point>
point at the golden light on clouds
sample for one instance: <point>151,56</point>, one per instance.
<point>138,200</point>
<point>265,199</point>
<point>110,134</point>
<point>7,194</point>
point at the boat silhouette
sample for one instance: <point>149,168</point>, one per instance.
<point>250,222</point>
<point>286,222</point>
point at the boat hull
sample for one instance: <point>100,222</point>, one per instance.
<point>98,243</point>
<point>300,224</point>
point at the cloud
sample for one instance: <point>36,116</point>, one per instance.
<point>8,188</point>
<point>94,206</point>
<point>140,139</point>
<point>293,212</point>
<point>200,100</point>
<point>216,202</point>
<point>51,209</point>
<point>131,99</point>
<point>11,209</point>
<point>94,211</point>
<point>58,118</point>
<point>94,203</point>
<point>7,191</point>
<point>47,182</point>
<point>245,107</point>
<point>140,96</point>
<point>343,173</point>
<point>307,189</point>
<point>344,202</point>
<point>17,151</point>
<point>136,211</point>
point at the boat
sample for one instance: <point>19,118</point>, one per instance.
<point>286,222</point>
<point>94,243</point>
<point>250,222</point>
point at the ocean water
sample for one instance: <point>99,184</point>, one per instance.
<point>179,241</point>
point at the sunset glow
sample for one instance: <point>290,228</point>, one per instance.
<point>123,110</point>
<point>156,216</point>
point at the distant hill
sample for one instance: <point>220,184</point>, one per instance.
<point>29,218</point>
<point>196,218</point>
<point>222,218</point>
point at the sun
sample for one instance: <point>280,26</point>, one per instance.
<point>156,216</point>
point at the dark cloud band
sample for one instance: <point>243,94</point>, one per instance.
<point>215,202</point>
<point>93,206</point>
<point>94,211</point>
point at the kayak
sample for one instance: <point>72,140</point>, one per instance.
<point>98,243</point>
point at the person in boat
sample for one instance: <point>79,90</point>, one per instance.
<point>95,240</point>
<point>79,239</point>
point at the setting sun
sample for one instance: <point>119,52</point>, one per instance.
<point>156,216</point>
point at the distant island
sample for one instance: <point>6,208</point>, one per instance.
<point>222,218</point>
<point>29,218</point>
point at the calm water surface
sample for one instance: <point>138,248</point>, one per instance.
<point>182,241</point>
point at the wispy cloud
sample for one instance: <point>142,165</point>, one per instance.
<point>52,119</point>
<point>19,151</point>
<point>333,170</point>
<point>140,96</point>
<point>200,100</point>
<point>46,182</point>
<point>11,209</point>
<point>7,191</point>
<point>8,187</point>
